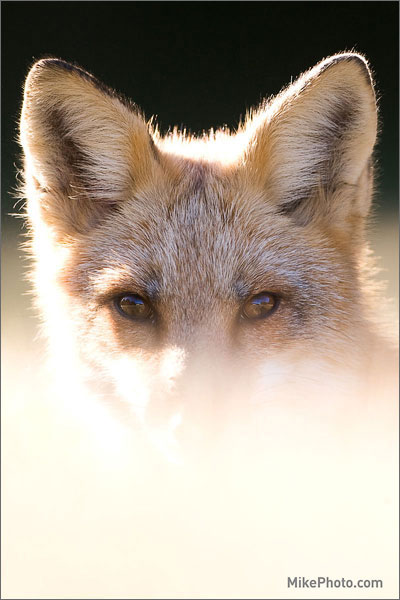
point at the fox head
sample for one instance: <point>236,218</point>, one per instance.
<point>235,251</point>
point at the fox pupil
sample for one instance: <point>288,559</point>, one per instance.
<point>260,306</point>
<point>133,306</point>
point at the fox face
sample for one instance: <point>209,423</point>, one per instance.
<point>168,264</point>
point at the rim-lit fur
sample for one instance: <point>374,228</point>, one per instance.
<point>197,226</point>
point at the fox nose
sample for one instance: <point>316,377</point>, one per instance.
<point>192,385</point>
<point>209,384</point>
<point>212,393</point>
<point>204,377</point>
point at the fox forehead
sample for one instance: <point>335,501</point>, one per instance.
<point>202,235</point>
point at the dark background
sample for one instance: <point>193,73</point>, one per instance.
<point>199,64</point>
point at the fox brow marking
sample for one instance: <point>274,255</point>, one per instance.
<point>115,283</point>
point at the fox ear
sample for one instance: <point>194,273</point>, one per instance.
<point>313,142</point>
<point>85,148</point>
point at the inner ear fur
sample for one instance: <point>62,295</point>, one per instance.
<point>311,146</point>
<point>85,148</point>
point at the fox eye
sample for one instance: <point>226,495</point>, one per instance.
<point>133,307</point>
<point>260,306</point>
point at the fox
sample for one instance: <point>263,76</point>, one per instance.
<point>215,413</point>
<point>185,279</point>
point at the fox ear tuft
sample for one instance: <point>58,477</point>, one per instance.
<point>317,135</point>
<point>85,148</point>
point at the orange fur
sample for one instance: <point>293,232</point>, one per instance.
<point>198,225</point>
